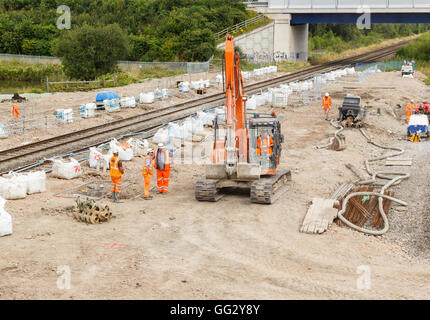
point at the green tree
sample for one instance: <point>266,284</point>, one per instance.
<point>89,52</point>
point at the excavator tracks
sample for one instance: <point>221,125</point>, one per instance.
<point>206,190</point>
<point>268,190</point>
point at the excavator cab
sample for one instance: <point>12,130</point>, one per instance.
<point>265,142</point>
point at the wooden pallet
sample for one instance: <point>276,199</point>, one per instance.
<point>407,162</point>
<point>319,216</point>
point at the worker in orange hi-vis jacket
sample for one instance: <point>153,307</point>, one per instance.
<point>15,111</point>
<point>265,145</point>
<point>162,164</point>
<point>116,172</point>
<point>409,108</point>
<point>326,104</point>
<point>147,173</point>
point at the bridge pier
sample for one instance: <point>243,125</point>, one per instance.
<point>278,40</point>
<point>289,40</point>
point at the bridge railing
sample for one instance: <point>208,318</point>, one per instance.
<point>340,4</point>
<point>240,27</point>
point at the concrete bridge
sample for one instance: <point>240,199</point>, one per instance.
<point>287,35</point>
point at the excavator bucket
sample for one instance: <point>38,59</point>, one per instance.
<point>339,143</point>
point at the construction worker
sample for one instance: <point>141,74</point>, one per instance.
<point>265,145</point>
<point>326,104</point>
<point>162,164</point>
<point>147,173</point>
<point>15,111</point>
<point>116,171</point>
<point>409,108</point>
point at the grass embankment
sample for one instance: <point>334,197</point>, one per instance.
<point>21,77</point>
<point>418,50</point>
<point>322,56</point>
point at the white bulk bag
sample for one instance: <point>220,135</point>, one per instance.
<point>245,75</point>
<point>36,182</point>
<point>90,110</point>
<point>251,104</point>
<point>95,157</point>
<point>5,220</point>
<point>330,76</point>
<point>13,189</point>
<point>295,86</point>
<point>187,127</point>
<point>147,97</point>
<point>106,158</point>
<point>195,85</point>
<point>279,99</point>
<point>174,131</point>
<point>125,155</point>
<point>260,100</point>
<point>68,115</point>
<point>273,69</point>
<point>111,105</point>
<point>342,72</point>
<point>66,170</point>
<point>184,86</point>
<point>197,124</point>
<point>160,136</point>
<point>123,103</point>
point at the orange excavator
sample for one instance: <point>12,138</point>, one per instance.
<point>247,155</point>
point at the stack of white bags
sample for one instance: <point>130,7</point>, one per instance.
<point>5,220</point>
<point>17,186</point>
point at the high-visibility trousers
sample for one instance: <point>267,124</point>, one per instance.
<point>408,115</point>
<point>116,184</point>
<point>163,180</point>
<point>326,110</point>
<point>147,178</point>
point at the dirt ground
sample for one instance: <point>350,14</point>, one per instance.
<point>176,248</point>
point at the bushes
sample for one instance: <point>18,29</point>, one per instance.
<point>338,38</point>
<point>418,49</point>
<point>13,71</point>
<point>156,29</point>
<point>89,52</point>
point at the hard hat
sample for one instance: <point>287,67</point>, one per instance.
<point>150,150</point>
<point>412,100</point>
<point>160,145</point>
<point>326,94</point>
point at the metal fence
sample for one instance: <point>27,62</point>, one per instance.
<point>186,67</point>
<point>383,66</point>
<point>340,4</point>
<point>29,59</point>
<point>240,26</point>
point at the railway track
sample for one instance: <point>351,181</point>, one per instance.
<point>25,155</point>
